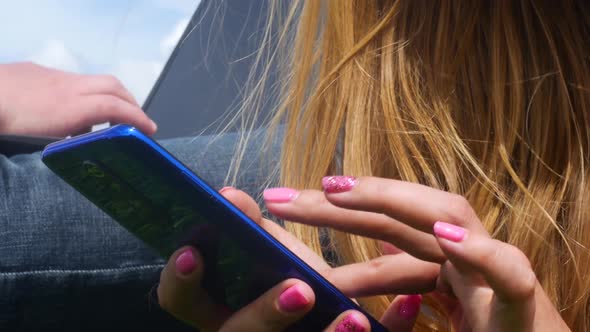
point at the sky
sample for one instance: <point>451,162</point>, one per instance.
<point>130,39</point>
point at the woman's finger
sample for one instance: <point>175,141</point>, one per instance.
<point>414,204</point>
<point>275,310</point>
<point>505,268</point>
<point>349,321</point>
<point>179,291</point>
<point>245,203</point>
<point>312,208</point>
<point>470,289</point>
<point>180,294</point>
<point>390,274</point>
<point>482,270</point>
<point>402,313</point>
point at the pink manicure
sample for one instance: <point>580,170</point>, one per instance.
<point>280,195</point>
<point>350,324</point>
<point>293,300</point>
<point>185,263</point>
<point>410,307</point>
<point>449,232</point>
<point>338,184</point>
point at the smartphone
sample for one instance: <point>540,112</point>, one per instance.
<point>162,202</point>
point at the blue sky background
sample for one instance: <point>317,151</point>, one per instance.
<point>127,38</point>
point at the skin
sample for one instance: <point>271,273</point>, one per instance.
<point>487,285</point>
<point>264,314</point>
<point>36,100</point>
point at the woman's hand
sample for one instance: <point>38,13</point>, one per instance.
<point>36,100</point>
<point>494,285</point>
<point>180,293</point>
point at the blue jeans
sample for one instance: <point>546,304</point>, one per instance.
<point>65,265</point>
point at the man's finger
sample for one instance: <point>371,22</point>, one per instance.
<point>107,108</point>
<point>104,85</point>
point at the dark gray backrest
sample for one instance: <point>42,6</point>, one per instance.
<point>206,74</point>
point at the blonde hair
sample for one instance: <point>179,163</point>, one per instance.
<point>487,99</point>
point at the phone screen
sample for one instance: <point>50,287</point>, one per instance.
<point>161,208</point>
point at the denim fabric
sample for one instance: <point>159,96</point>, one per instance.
<point>65,265</point>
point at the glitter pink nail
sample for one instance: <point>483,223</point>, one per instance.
<point>338,184</point>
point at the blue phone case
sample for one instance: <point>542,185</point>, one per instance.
<point>161,201</point>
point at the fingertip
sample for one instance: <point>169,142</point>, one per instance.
<point>403,312</point>
<point>154,126</point>
<point>179,277</point>
<point>275,310</point>
<point>187,262</point>
<point>225,189</point>
<point>453,240</point>
<point>410,306</point>
<point>296,298</point>
<point>280,195</point>
<point>352,321</point>
<point>148,126</point>
<point>449,232</point>
<point>338,184</point>
<point>243,201</point>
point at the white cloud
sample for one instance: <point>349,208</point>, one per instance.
<point>170,40</point>
<point>56,55</point>
<point>87,32</point>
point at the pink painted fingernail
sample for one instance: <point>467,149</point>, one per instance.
<point>410,307</point>
<point>185,262</point>
<point>225,189</point>
<point>338,184</point>
<point>280,195</point>
<point>293,300</point>
<point>351,324</point>
<point>449,232</point>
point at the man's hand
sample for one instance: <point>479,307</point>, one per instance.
<point>36,100</point>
